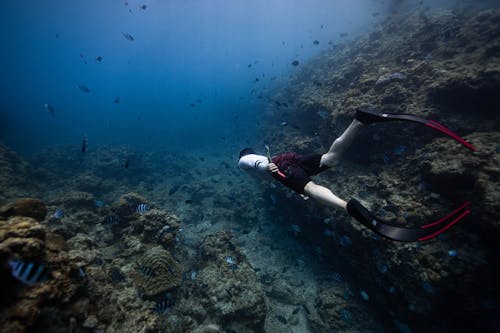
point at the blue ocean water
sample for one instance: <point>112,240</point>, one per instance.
<point>188,78</point>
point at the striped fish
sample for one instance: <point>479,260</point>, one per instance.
<point>142,209</point>
<point>162,306</point>
<point>29,273</point>
<point>59,213</point>
<point>147,271</point>
<point>110,221</point>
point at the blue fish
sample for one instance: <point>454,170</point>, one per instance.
<point>142,209</point>
<point>399,150</point>
<point>337,277</point>
<point>59,213</point>
<point>346,315</point>
<point>345,241</point>
<point>29,273</point>
<point>99,203</point>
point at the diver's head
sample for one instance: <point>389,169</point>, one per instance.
<point>247,151</point>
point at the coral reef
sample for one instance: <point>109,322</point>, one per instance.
<point>231,289</point>
<point>28,308</point>
<point>158,272</point>
<point>28,207</point>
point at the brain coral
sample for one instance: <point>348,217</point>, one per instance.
<point>158,272</point>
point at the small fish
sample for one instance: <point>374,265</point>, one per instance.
<point>364,295</point>
<point>142,208</point>
<point>281,319</point>
<point>147,271</point>
<point>230,260</point>
<point>50,109</point>
<point>402,327</point>
<point>323,114</point>
<point>192,276</point>
<point>399,150</point>
<point>346,315</point>
<point>428,288</point>
<point>143,7</point>
<point>85,142</point>
<point>452,253</point>
<point>188,201</point>
<point>127,163</point>
<point>295,229</point>
<point>328,233</point>
<point>162,306</point>
<point>128,36</point>
<point>116,275</point>
<point>386,159</point>
<point>99,203</point>
<point>344,34</point>
<point>382,267</point>
<point>82,274</point>
<point>337,277</point>
<point>110,221</point>
<point>84,88</point>
<point>295,63</point>
<point>283,123</point>
<point>29,273</point>
<point>59,213</point>
<point>316,42</point>
<point>345,241</point>
<point>116,100</point>
<point>98,58</point>
<point>375,14</point>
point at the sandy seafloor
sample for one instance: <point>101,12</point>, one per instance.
<point>241,256</point>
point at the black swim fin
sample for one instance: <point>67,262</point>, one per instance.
<point>368,116</point>
<point>402,233</point>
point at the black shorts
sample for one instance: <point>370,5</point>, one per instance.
<point>298,169</point>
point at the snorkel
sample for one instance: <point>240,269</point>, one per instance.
<point>281,174</point>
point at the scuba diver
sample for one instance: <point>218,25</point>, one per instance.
<point>295,171</point>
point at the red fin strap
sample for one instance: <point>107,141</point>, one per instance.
<point>448,226</point>
<point>437,126</point>
<point>465,204</point>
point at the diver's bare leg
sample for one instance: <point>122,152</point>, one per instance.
<point>324,195</point>
<point>341,143</point>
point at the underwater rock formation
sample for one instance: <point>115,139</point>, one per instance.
<point>28,207</point>
<point>125,207</point>
<point>156,226</point>
<point>231,292</point>
<point>441,65</point>
<point>29,308</point>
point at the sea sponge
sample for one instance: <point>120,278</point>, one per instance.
<point>165,273</point>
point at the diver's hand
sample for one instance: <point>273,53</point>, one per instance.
<point>272,167</point>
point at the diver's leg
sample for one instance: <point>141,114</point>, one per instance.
<point>324,195</point>
<point>341,143</point>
